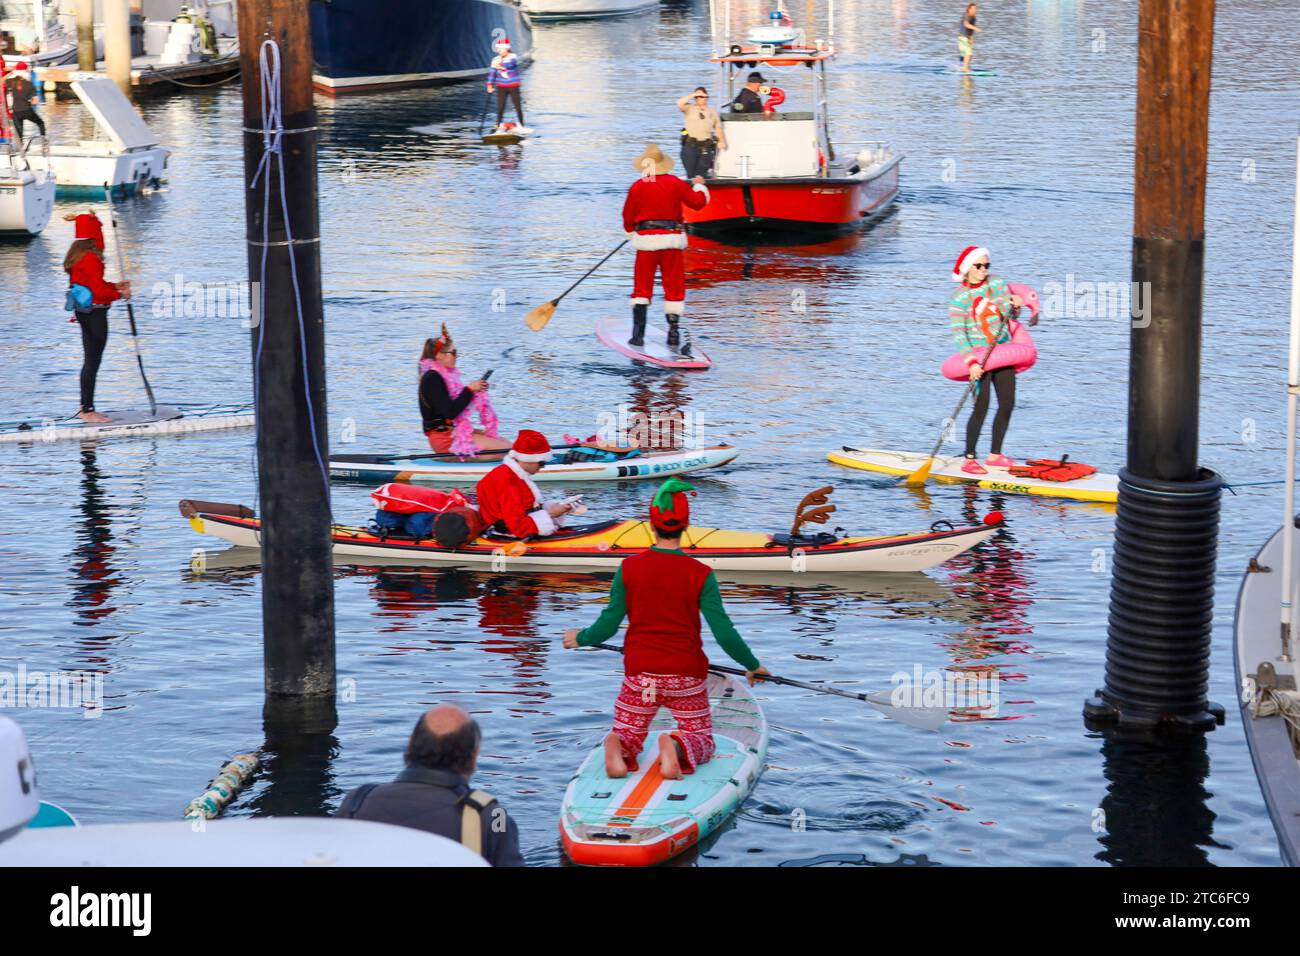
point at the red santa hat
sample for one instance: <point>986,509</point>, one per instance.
<point>89,227</point>
<point>502,42</point>
<point>670,510</point>
<point>530,446</point>
<point>966,260</point>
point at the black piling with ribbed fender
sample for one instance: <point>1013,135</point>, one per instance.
<point>1161,605</point>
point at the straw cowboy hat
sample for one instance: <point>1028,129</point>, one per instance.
<point>653,157</point>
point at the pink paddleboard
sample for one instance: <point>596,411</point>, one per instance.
<point>614,332</point>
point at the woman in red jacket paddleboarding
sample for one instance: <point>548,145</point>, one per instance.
<point>663,592</point>
<point>85,268</point>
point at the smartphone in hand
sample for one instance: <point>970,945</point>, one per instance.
<point>487,375</point>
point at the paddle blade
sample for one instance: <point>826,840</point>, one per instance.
<point>537,319</point>
<point>923,718</point>
<point>917,478</point>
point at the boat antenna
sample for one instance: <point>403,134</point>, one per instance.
<point>713,29</point>
<point>1292,398</point>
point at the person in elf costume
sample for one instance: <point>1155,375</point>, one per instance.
<point>448,404</point>
<point>981,314</point>
<point>507,496</point>
<point>663,592</point>
<point>652,218</point>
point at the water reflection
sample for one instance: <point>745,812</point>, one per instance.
<point>297,775</point>
<point>1154,812</point>
<point>94,573</point>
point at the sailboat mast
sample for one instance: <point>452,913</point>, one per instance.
<point>1292,398</point>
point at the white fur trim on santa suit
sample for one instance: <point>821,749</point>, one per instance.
<point>656,241</point>
<point>674,308</point>
<point>637,300</point>
<point>701,188</point>
<point>966,261</point>
<point>545,523</point>
<point>520,456</point>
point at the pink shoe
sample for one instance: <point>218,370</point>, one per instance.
<point>973,467</point>
<point>999,461</point>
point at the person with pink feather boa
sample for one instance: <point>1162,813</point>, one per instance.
<point>449,405</point>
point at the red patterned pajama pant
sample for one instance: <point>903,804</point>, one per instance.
<point>686,697</point>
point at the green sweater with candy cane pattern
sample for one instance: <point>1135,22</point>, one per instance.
<point>967,331</point>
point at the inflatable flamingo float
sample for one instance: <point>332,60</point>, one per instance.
<point>1020,353</point>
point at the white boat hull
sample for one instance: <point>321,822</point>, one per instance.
<point>584,9</point>
<point>26,201</point>
<point>86,168</point>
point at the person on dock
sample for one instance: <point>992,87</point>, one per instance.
<point>448,404</point>
<point>85,268</point>
<point>22,97</point>
<point>503,79</point>
<point>748,100</point>
<point>653,220</point>
<point>703,136</point>
<point>981,314</point>
<point>509,499</point>
<point>434,794</point>
<point>663,591</point>
<point>966,35</point>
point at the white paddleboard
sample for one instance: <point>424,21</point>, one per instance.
<point>130,423</point>
<point>614,331</point>
<point>1097,487</point>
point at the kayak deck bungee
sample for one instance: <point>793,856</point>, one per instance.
<point>1098,487</point>
<point>644,818</point>
<point>575,464</point>
<point>132,423</point>
<point>605,544</point>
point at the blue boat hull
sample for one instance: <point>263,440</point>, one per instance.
<point>364,45</point>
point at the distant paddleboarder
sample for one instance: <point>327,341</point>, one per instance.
<point>663,592</point>
<point>85,268</point>
<point>981,314</point>
<point>503,79</point>
<point>448,404</point>
<point>966,35</point>
<point>652,218</point>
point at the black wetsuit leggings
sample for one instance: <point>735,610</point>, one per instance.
<point>94,336</point>
<point>511,93</point>
<point>1003,381</point>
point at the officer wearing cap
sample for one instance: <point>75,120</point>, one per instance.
<point>748,100</point>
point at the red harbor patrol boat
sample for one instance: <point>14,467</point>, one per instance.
<point>780,171</point>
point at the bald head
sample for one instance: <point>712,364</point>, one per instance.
<point>445,738</point>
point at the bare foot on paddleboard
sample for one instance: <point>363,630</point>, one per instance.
<point>615,765</point>
<point>94,418</point>
<point>670,764</point>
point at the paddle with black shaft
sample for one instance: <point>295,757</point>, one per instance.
<point>130,311</point>
<point>917,478</point>
<point>487,108</point>
<point>537,319</point>
<point>924,718</point>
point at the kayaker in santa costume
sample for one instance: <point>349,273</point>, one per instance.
<point>662,591</point>
<point>507,496</point>
<point>981,314</point>
<point>652,218</point>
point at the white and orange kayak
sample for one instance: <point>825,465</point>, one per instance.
<point>604,545</point>
<point>644,818</point>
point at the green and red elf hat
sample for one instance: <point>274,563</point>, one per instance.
<point>670,510</point>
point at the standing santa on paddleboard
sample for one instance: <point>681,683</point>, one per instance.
<point>652,218</point>
<point>983,315</point>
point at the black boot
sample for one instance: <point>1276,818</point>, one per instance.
<point>638,326</point>
<point>674,337</point>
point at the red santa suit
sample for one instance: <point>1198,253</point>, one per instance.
<point>508,494</point>
<point>654,202</point>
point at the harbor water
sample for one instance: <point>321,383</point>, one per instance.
<point>814,346</point>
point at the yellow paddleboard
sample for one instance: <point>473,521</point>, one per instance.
<point>1097,487</point>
